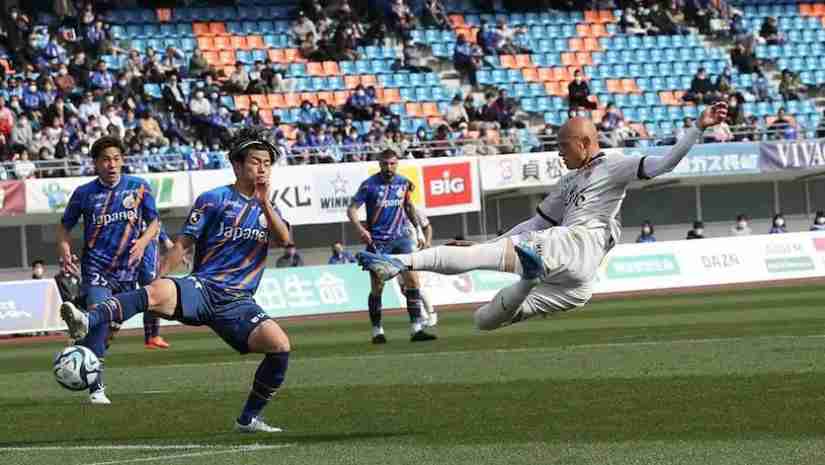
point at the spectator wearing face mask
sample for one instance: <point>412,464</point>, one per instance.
<point>778,224</point>
<point>741,227</point>
<point>578,92</point>
<point>819,221</point>
<point>698,231</point>
<point>646,233</point>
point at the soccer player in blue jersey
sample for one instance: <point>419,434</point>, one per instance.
<point>390,210</point>
<point>114,208</point>
<point>231,229</point>
<point>148,273</point>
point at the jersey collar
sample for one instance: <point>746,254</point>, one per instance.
<point>106,186</point>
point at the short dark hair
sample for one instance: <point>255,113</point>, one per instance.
<point>255,137</point>
<point>104,143</point>
<point>386,154</point>
<point>38,262</point>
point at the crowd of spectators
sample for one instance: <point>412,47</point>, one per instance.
<point>740,227</point>
<point>65,93</point>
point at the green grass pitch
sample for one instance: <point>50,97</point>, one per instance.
<point>722,378</point>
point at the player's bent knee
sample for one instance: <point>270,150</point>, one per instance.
<point>268,337</point>
<point>162,297</point>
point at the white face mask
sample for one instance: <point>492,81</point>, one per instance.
<point>742,224</point>
<point>645,230</point>
<point>699,231</point>
<point>779,222</point>
<point>820,220</point>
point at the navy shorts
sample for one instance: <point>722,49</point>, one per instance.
<point>395,246</point>
<point>100,290</point>
<point>230,317</point>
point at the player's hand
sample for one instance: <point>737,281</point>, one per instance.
<point>428,244</point>
<point>366,237</point>
<point>457,243</point>
<point>713,115</point>
<point>262,192</point>
<point>136,253</point>
<point>422,244</point>
<point>69,264</point>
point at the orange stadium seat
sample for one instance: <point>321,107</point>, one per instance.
<point>201,29</point>
<point>211,57</point>
<point>217,28</point>
<point>563,74</point>
<point>253,42</point>
<point>457,21</point>
<point>293,55</point>
<point>629,86</point>
<point>227,57</point>
<point>266,117</point>
<point>568,59</point>
<point>575,45</point>
<point>507,61</point>
<point>327,97</point>
<point>392,96</point>
<point>591,16</point>
<point>430,109</point>
<point>530,74</point>
<point>523,61</point>
<point>606,16</point>
<point>554,88</point>
<point>291,100</point>
<point>435,122</point>
<point>289,131</point>
<point>583,30</point>
<point>275,101</point>
<point>242,102</point>
<point>806,9</point>
<point>340,98</point>
<point>222,43</point>
<point>351,82</point>
<point>414,110</point>
<point>546,74</point>
<point>277,55</point>
<point>237,42</point>
<point>331,68</point>
<point>614,86</point>
<point>261,100</point>
<point>315,69</point>
<point>369,80</point>
<point>598,30</point>
<point>206,44</point>
<point>310,97</point>
<point>164,15</point>
<point>591,45</point>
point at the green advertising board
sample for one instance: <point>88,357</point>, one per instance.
<point>642,266</point>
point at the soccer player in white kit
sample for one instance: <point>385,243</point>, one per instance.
<point>422,237</point>
<point>557,251</point>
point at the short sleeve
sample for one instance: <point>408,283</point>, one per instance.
<point>147,204</point>
<point>552,208</point>
<point>73,210</point>
<point>361,196</point>
<point>200,216</point>
<point>162,235</point>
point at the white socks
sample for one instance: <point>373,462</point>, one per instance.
<point>376,330</point>
<point>495,256</point>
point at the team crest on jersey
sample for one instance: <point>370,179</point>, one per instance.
<point>195,217</point>
<point>262,221</point>
<point>129,201</point>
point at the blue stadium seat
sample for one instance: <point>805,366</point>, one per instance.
<point>651,98</point>
<point>152,90</point>
<point>335,83</point>
<point>188,44</point>
<point>296,69</point>
<point>597,86</point>
<point>244,57</point>
<point>529,105</point>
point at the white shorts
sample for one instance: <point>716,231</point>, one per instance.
<point>572,256</point>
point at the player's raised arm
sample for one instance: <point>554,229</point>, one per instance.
<point>657,166</point>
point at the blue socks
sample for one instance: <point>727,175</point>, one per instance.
<point>414,304</point>
<point>268,378</point>
<point>119,308</point>
<point>375,310</point>
<point>151,326</point>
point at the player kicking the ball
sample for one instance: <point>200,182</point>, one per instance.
<point>557,251</point>
<point>231,229</point>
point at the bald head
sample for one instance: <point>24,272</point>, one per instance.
<point>578,142</point>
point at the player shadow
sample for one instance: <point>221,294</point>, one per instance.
<point>303,437</point>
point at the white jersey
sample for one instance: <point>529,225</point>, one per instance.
<point>423,222</point>
<point>592,196</point>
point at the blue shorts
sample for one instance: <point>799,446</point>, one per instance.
<point>230,317</point>
<point>395,246</point>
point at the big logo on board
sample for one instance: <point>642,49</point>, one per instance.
<point>448,184</point>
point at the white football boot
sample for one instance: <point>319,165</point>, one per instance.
<point>257,425</point>
<point>99,397</point>
<point>76,320</point>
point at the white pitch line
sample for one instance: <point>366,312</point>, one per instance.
<point>238,450</point>
<point>137,447</point>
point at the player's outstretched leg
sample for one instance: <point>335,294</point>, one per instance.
<point>270,339</point>
<point>501,255</point>
<point>505,308</point>
<point>151,332</point>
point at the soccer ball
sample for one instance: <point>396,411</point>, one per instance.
<point>76,367</point>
